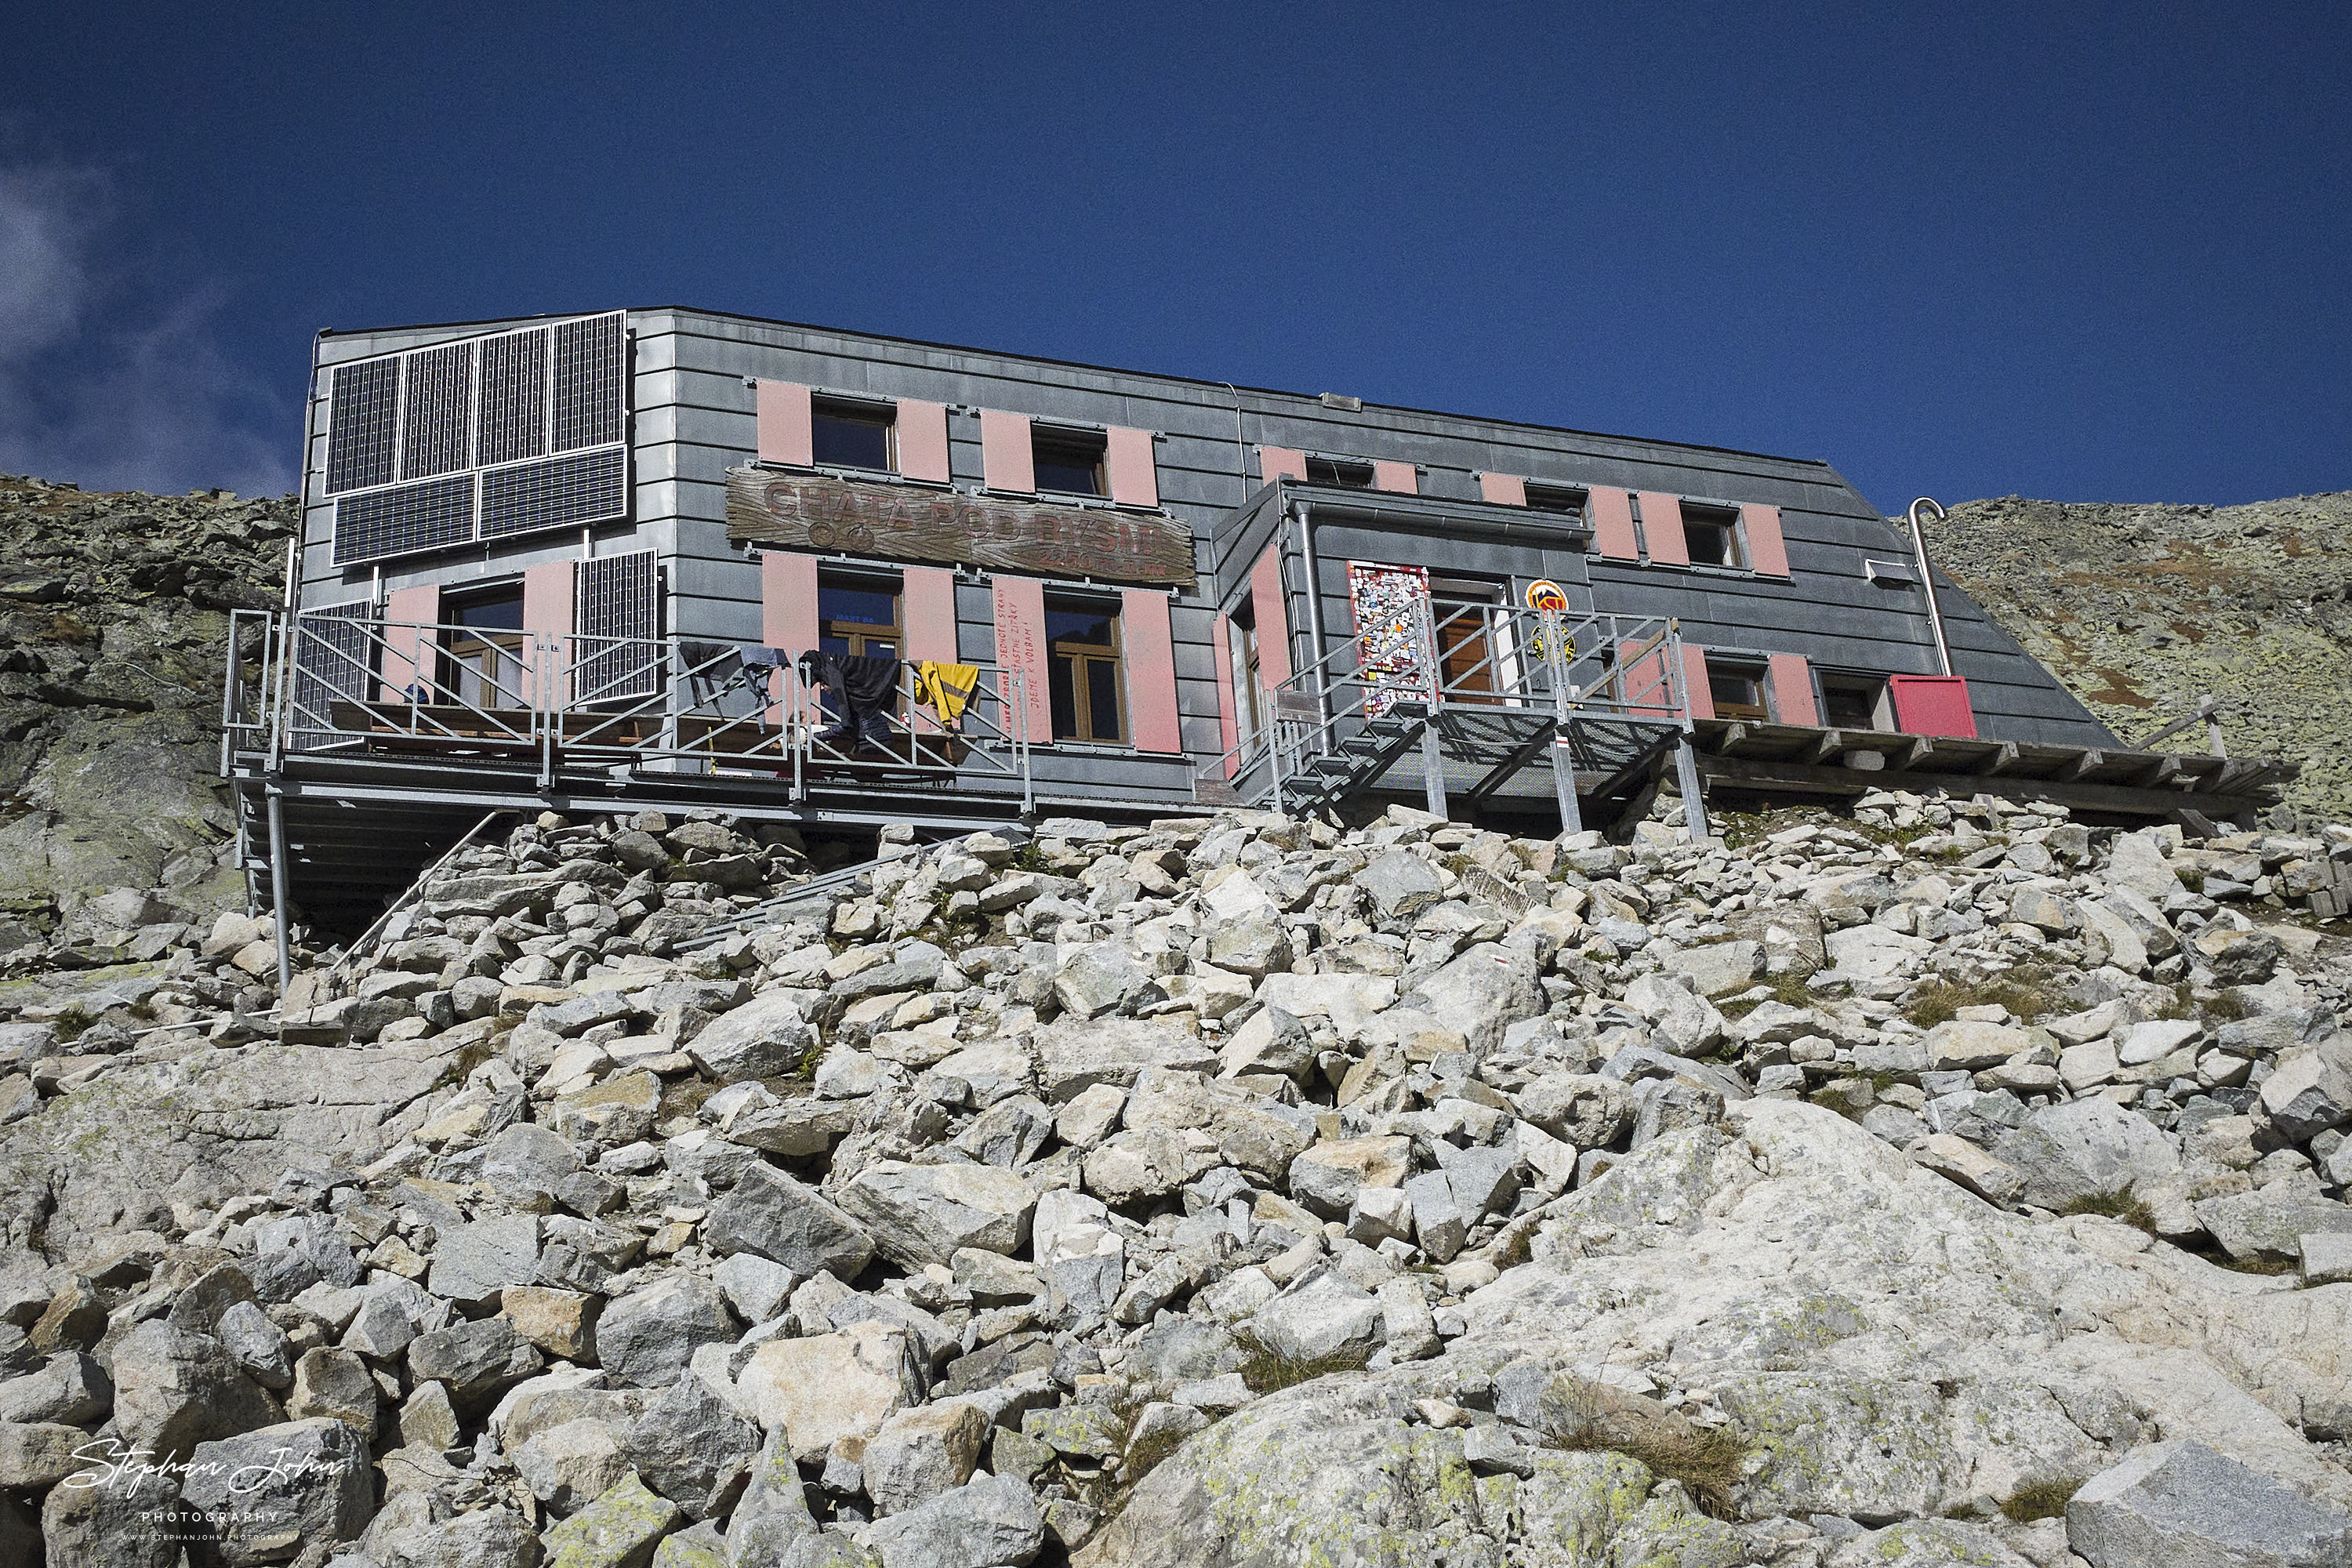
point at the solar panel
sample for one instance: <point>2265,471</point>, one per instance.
<point>540,414</point>
<point>514,398</point>
<point>363,413</point>
<point>588,402</point>
<point>557,492</point>
<point>619,598</point>
<point>431,515</point>
<point>333,657</point>
<point>436,423</point>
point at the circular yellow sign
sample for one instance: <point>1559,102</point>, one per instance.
<point>1543,593</point>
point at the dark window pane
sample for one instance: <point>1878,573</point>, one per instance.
<point>1569,502</point>
<point>1063,684</point>
<point>1102,698</point>
<point>1709,544</point>
<point>1354,475</point>
<point>850,441</point>
<point>1735,691</point>
<point>868,607</point>
<point>504,613</point>
<point>1089,626</point>
<point>832,644</point>
<point>1069,470</point>
<point>1850,705</point>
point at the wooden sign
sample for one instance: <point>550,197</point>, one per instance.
<point>901,522</point>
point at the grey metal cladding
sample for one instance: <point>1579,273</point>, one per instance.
<point>513,405</point>
<point>591,380</point>
<point>437,425</point>
<point>429,515</point>
<point>556,493</point>
<point>619,598</point>
<point>365,414</point>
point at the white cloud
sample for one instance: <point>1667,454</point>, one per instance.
<point>105,387</point>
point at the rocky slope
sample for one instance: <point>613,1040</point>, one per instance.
<point>1952,1184</point>
<point>2140,609</point>
<point>114,617</point>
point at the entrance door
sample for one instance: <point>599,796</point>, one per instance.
<point>485,666</point>
<point>1475,657</point>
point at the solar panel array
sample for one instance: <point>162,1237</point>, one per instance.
<point>503,433</point>
<point>618,599</point>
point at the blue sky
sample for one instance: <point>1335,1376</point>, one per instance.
<point>2082,252</point>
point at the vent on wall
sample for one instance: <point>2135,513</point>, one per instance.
<point>480,438</point>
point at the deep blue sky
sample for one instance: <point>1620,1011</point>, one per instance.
<point>2082,252</point>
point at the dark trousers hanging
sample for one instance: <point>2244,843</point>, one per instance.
<point>861,689</point>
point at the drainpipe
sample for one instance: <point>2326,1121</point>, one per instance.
<point>1927,579</point>
<point>1313,611</point>
<point>279,919</point>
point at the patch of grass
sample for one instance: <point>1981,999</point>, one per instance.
<point>2223,1009</point>
<point>1266,1371</point>
<point>2114,1205</point>
<point>1597,1418</point>
<point>2270,1267</point>
<point>1940,1001</point>
<point>2045,1499</point>
<point>1144,1457</point>
<point>1787,989</point>
<point>685,1096</point>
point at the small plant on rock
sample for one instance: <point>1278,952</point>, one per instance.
<point>2045,1499</point>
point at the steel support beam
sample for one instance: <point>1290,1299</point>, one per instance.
<point>1433,767</point>
<point>278,920</point>
<point>1694,804</point>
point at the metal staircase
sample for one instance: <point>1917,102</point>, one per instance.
<point>1471,703</point>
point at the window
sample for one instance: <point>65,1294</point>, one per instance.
<point>1067,461</point>
<point>1545,498</point>
<point>1249,699</point>
<point>484,664</point>
<point>1712,536</point>
<point>1343,472</point>
<point>1737,690</point>
<point>1089,701</point>
<point>1855,703</point>
<point>853,435</point>
<point>857,615</point>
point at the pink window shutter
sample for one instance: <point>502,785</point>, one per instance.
<point>1152,718</point>
<point>408,612</point>
<point>1280,463</point>
<point>1020,648</point>
<point>548,610</point>
<point>1768,552</point>
<point>1612,523</point>
<point>1134,463</point>
<point>1006,459</point>
<point>1642,682</point>
<point>1270,618</point>
<point>1502,489</point>
<point>1933,705</point>
<point>1662,528</point>
<point>787,610</point>
<point>1696,691</point>
<point>923,440</point>
<point>1229,728</point>
<point>1792,689</point>
<point>786,434</point>
<point>927,609</point>
<point>1397,478</point>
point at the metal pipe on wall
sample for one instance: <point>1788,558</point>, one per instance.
<point>278,922</point>
<point>1927,581</point>
<point>1314,612</point>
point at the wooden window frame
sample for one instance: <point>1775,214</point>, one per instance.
<point>1088,663</point>
<point>1758,679</point>
<point>1881,702</point>
<point>1700,519</point>
<point>1051,446</point>
<point>856,634</point>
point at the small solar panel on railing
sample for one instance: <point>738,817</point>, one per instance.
<point>620,617</point>
<point>333,658</point>
<point>364,411</point>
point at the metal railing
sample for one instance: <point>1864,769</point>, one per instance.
<point>1467,658</point>
<point>339,683</point>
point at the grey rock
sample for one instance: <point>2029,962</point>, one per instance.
<point>1582,1108</point>
<point>646,1338</point>
<point>2181,1505</point>
<point>922,1452</point>
<point>474,1261</point>
<point>173,1390</point>
<point>991,1522</point>
<point>335,1385</point>
<point>73,1388</point>
<point>1720,968</point>
<point>569,1465</point>
<point>771,1521</point>
<point>1102,978</point>
<point>1402,885</point>
<point>690,1445</point>
<point>1321,1318</point>
<point>619,1530</point>
<point>756,1287</point>
<point>765,1037</point>
<point>2271,1222</point>
<point>478,1360</point>
<point>1482,991</point>
<point>921,1214</point>
<point>2083,1149</point>
<point>298,1483</point>
<point>119,1526</point>
<point>36,1454</point>
<point>2309,1091</point>
<point>789,1223</point>
<point>1073,1056</point>
<point>293,1253</point>
<point>257,1345</point>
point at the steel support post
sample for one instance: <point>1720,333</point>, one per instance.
<point>1563,784</point>
<point>1686,773</point>
<point>278,920</point>
<point>1433,767</point>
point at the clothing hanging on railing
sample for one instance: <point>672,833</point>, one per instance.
<point>862,688</point>
<point>946,688</point>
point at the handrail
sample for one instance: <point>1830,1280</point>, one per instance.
<point>2207,711</point>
